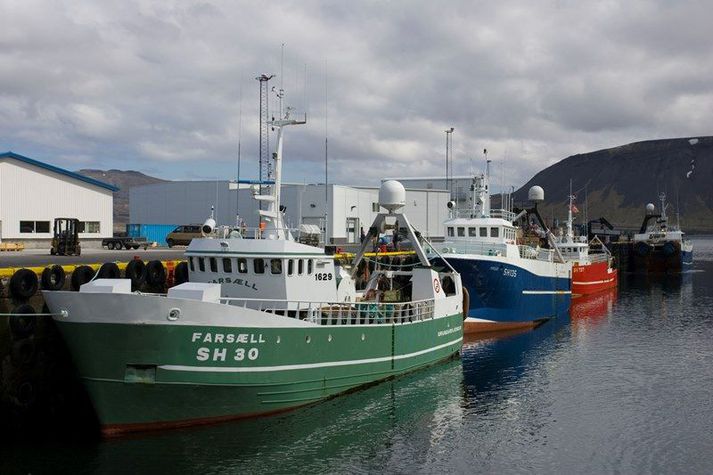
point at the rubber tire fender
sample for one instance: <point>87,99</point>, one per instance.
<point>23,352</point>
<point>53,278</point>
<point>180,273</point>
<point>136,271</point>
<point>155,273</point>
<point>23,321</point>
<point>642,249</point>
<point>109,270</point>
<point>23,284</point>
<point>80,276</point>
<point>669,248</point>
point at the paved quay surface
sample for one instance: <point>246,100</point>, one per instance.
<point>42,257</point>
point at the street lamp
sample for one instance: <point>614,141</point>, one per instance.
<point>449,157</point>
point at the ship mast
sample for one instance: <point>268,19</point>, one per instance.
<point>274,226</point>
<point>570,232</point>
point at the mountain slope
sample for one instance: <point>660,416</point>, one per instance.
<point>124,180</point>
<point>618,182</point>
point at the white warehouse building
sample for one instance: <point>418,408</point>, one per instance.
<point>349,209</point>
<point>33,194</point>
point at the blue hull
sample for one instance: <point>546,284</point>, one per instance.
<point>687,257</point>
<point>509,294</point>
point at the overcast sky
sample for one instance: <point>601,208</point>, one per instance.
<point>156,86</point>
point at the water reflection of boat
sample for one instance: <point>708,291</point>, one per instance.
<point>593,307</point>
<point>345,432</point>
<point>493,363</point>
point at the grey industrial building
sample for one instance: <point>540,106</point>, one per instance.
<point>346,209</point>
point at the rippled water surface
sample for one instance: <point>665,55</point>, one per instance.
<point>625,384</point>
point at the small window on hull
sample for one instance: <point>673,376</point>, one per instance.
<point>213,264</point>
<point>300,266</point>
<point>227,265</point>
<point>290,266</point>
<point>201,264</point>
<point>276,266</point>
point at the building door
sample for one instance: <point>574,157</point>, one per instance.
<point>352,230</point>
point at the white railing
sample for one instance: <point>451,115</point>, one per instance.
<point>494,213</point>
<point>472,247</point>
<point>342,313</point>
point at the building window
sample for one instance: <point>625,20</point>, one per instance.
<point>471,232</point>
<point>450,231</point>
<point>34,226</point>
<point>259,266</point>
<point>91,227</point>
<point>227,265</point>
<point>201,264</point>
<point>213,264</point>
<point>483,232</point>
<point>494,232</point>
<point>461,232</point>
<point>276,266</point>
<point>242,265</point>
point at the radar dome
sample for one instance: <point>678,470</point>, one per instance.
<point>650,208</point>
<point>536,193</point>
<point>392,195</point>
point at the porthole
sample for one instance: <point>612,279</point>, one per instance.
<point>173,314</point>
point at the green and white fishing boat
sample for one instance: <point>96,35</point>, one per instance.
<point>263,326</point>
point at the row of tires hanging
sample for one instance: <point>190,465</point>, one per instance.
<point>24,283</point>
<point>31,349</point>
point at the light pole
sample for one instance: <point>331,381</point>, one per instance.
<point>449,157</point>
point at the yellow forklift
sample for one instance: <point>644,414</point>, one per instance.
<point>65,241</point>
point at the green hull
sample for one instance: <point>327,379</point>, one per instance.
<point>144,376</point>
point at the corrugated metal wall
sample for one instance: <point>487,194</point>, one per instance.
<point>29,193</point>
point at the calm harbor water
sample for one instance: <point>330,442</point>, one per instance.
<point>623,385</point>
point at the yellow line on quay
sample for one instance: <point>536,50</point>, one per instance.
<point>7,272</point>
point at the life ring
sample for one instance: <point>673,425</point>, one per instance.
<point>23,321</point>
<point>136,271</point>
<point>23,284</point>
<point>109,270</point>
<point>180,273</point>
<point>155,273</point>
<point>80,276</point>
<point>53,278</point>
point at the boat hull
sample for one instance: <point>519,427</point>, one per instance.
<point>159,375</point>
<point>593,278</point>
<point>661,257</point>
<point>509,294</point>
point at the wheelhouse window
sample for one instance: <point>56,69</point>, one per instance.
<point>471,232</point>
<point>276,266</point>
<point>213,264</point>
<point>461,232</point>
<point>483,232</point>
<point>201,264</point>
<point>495,232</point>
<point>227,265</point>
<point>450,231</point>
<point>259,266</point>
<point>242,265</point>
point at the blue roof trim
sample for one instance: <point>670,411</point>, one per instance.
<point>61,171</point>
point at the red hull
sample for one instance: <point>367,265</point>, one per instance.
<point>594,277</point>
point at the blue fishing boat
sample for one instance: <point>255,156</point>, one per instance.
<point>511,282</point>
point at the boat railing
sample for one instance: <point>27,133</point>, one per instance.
<point>363,312</point>
<point>598,257</point>
<point>494,213</point>
<point>474,247</point>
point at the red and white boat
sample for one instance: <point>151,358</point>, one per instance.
<point>591,271</point>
